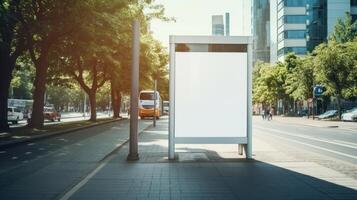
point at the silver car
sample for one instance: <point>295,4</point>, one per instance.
<point>350,115</point>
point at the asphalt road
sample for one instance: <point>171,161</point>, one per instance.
<point>55,164</point>
<point>334,143</point>
<point>46,169</point>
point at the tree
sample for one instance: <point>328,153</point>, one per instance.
<point>335,66</point>
<point>11,47</point>
<point>45,23</point>
<point>23,75</point>
<point>268,83</point>
<point>345,30</point>
<point>300,81</point>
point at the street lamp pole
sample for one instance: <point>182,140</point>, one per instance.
<point>133,143</point>
<point>155,97</point>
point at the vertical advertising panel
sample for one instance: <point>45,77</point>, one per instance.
<point>210,94</point>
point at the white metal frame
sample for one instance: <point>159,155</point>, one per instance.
<point>245,141</point>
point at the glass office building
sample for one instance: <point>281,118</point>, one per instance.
<point>301,25</point>
<point>261,30</point>
<point>217,25</point>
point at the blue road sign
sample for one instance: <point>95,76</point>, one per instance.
<point>318,90</point>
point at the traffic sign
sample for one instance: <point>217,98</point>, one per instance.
<point>318,90</point>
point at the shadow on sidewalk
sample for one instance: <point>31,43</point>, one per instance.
<point>204,174</point>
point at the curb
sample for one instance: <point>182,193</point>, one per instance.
<point>52,134</point>
<point>322,125</point>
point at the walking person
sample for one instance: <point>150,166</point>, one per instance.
<point>271,111</point>
<point>263,114</point>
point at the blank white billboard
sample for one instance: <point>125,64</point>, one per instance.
<point>210,94</point>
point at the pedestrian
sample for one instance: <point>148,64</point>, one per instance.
<point>263,114</point>
<point>271,111</point>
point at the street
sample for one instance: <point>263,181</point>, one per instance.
<point>55,167</point>
<point>332,142</point>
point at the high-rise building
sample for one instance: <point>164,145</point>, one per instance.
<point>227,24</point>
<point>300,25</point>
<point>217,25</point>
<point>261,30</point>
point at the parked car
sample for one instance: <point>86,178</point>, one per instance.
<point>328,114</point>
<point>51,114</point>
<point>350,115</point>
<point>14,115</point>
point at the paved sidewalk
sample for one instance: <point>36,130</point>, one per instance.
<point>317,123</point>
<point>211,172</point>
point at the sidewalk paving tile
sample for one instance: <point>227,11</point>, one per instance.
<point>205,172</point>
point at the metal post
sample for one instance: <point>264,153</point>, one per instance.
<point>172,101</point>
<point>240,149</point>
<point>313,107</point>
<point>133,144</point>
<point>249,149</point>
<point>155,97</point>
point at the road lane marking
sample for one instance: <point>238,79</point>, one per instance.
<point>67,195</point>
<point>311,138</point>
<point>83,182</point>
<point>349,143</point>
<point>313,146</point>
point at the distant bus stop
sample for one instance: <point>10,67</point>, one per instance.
<point>210,91</point>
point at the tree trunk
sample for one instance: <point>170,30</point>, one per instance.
<point>118,99</point>
<point>5,80</point>
<point>39,92</point>
<point>93,105</point>
<point>114,100</point>
<point>338,98</point>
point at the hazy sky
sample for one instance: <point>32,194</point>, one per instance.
<point>193,17</point>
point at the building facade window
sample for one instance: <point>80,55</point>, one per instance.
<point>295,3</point>
<point>353,2</point>
<point>354,18</point>
<point>294,34</point>
<point>296,50</point>
<point>295,19</point>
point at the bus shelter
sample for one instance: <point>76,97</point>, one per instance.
<point>210,91</point>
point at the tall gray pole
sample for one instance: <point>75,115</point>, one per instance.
<point>155,97</point>
<point>133,144</point>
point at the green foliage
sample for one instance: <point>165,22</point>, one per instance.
<point>336,68</point>
<point>22,80</point>
<point>300,80</point>
<point>268,83</point>
<point>62,96</point>
<point>344,30</point>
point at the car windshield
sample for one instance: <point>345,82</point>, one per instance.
<point>147,96</point>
